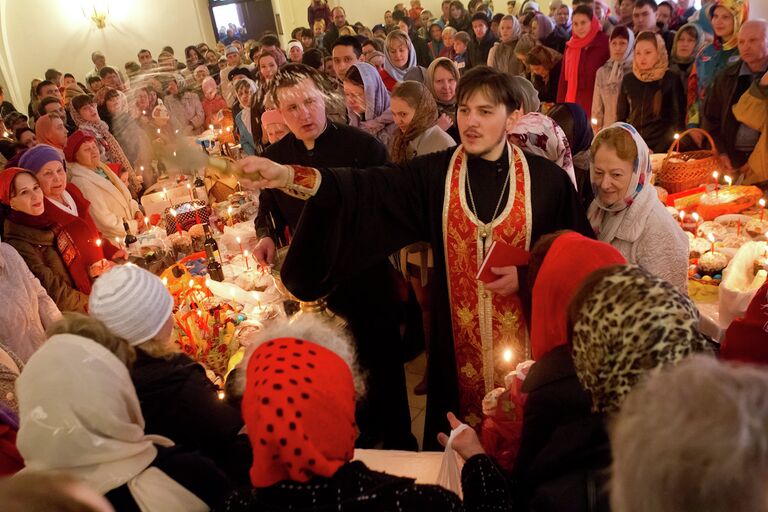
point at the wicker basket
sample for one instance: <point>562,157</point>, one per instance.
<point>691,168</point>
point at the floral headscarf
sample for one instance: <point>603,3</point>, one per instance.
<point>740,11</point>
<point>606,218</point>
<point>538,134</point>
<point>629,324</point>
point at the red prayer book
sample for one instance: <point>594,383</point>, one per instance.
<point>501,254</point>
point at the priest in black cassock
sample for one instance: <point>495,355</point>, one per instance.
<point>460,200</point>
<point>367,298</point>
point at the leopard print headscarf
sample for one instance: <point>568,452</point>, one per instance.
<point>631,323</point>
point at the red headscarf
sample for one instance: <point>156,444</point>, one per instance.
<point>573,56</point>
<point>746,340</point>
<point>74,142</point>
<point>571,258</point>
<point>6,183</point>
<point>299,407</point>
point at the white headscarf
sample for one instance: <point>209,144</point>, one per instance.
<point>606,219</point>
<point>79,413</point>
<point>246,111</point>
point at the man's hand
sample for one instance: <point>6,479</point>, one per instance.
<point>505,285</point>
<point>267,173</point>
<point>466,443</point>
<point>264,252</point>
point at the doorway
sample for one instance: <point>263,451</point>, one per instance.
<point>241,19</point>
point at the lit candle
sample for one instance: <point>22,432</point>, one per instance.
<point>177,131</point>
<point>158,131</point>
<point>117,243</point>
<point>189,189</point>
<point>715,176</point>
<point>146,221</point>
<point>166,196</point>
<point>174,154</point>
<point>507,355</point>
<point>711,239</point>
<point>245,255</point>
<point>762,209</point>
<point>210,127</point>
<point>677,136</point>
<point>594,122</point>
<point>221,395</point>
<point>728,181</point>
<point>239,243</point>
<point>98,242</point>
<point>143,112</point>
<point>178,226</point>
<point>229,129</point>
<point>165,281</point>
<point>229,212</point>
<point>191,283</point>
<point>681,214</point>
<point>696,227</point>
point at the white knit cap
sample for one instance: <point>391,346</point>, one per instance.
<point>132,302</point>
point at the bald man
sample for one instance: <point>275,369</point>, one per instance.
<point>735,140</point>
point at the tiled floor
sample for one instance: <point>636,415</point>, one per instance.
<point>414,371</point>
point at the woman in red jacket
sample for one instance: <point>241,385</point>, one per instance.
<point>585,53</point>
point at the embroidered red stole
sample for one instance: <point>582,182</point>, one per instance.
<point>484,324</point>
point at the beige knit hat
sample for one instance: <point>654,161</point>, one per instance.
<point>132,302</point>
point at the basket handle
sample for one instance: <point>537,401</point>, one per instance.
<point>676,143</point>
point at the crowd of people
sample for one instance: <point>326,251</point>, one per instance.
<point>390,159</point>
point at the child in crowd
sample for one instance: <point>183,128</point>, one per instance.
<point>460,44</point>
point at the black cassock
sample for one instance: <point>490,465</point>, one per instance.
<point>366,298</point>
<point>359,216</point>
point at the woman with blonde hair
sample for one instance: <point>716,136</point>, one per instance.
<point>399,57</point>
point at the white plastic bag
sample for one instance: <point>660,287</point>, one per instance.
<point>739,285</point>
<point>450,469</point>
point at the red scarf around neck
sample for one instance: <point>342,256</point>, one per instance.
<point>573,56</point>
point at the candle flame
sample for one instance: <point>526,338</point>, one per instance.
<point>762,202</point>
<point>191,283</point>
<point>715,174</point>
<point>146,221</point>
<point>142,168</point>
<point>507,355</point>
<point>677,136</point>
<point>173,212</point>
<point>174,154</point>
<point>117,240</point>
<point>158,131</point>
<point>98,242</point>
<point>189,187</point>
<point>711,237</point>
<point>165,281</point>
<point>210,127</point>
<point>594,121</point>
<point>221,395</point>
<point>245,253</point>
<point>177,131</point>
<point>695,216</point>
<point>728,180</point>
<point>143,112</point>
<point>229,210</point>
<point>238,239</point>
<point>682,214</point>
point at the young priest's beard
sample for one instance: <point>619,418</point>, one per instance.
<point>488,154</point>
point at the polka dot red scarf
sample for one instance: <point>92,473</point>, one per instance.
<point>299,407</point>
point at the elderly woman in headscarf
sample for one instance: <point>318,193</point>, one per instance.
<point>368,102</point>
<point>502,55</point>
<point>85,114</point>
<point>399,58</point>
<point>184,106</point>
<point>626,211</point>
<point>50,130</point>
<point>112,206</point>
<point>93,428</point>
<point>303,438</point>
<point>726,17</point>
<point>442,79</point>
<point>539,134</point>
<point>245,90</point>
<point>651,97</point>
<point>609,77</point>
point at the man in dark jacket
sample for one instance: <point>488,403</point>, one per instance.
<point>736,141</point>
<point>339,16</point>
<point>482,41</point>
<point>644,19</point>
